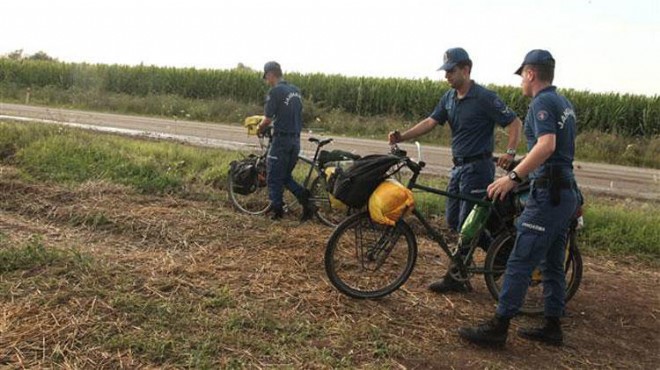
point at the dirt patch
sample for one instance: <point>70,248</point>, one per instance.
<point>151,281</point>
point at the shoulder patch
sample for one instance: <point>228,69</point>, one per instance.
<point>541,115</point>
<point>498,103</point>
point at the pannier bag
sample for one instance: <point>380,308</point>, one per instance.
<point>390,201</point>
<point>330,173</point>
<point>245,175</point>
<point>354,186</point>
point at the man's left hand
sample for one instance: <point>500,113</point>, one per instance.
<point>262,128</point>
<point>500,188</point>
<point>505,161</point>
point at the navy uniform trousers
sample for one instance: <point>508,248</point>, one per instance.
<point>541,240</point>
<point>282,158</point>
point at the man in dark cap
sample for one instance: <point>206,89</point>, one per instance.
<point>472,112</point>
<point>542,228</point>
<point>283,109</point>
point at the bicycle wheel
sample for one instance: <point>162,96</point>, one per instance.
<point>495,265</point>
<point>254,203</point>
<point>329,213</point>
<point>364,259</point>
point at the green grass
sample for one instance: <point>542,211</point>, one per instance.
<point>30,255</point>
<point>593,146</point>
<point>73,156</point>
<point>622,229</point>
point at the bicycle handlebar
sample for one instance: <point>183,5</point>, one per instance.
<point>511,165</point>
<point>415,167</point>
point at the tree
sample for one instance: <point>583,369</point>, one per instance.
<point>41,55</point>
<point>15,55</point>
<point>18,55</point>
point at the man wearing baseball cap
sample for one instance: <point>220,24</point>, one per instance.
<point>542,228</point>
<point>472,112</point>
<point>283,109</point>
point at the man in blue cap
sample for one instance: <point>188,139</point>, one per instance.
<point>472,112</point>
<point>550,128</point>
<point>283,109</point>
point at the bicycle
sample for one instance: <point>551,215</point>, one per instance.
<point>364,259</point>
<point>253,199</point>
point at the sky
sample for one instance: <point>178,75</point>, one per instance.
<point>599,45</point>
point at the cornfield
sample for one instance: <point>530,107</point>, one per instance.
<point>625,114</point>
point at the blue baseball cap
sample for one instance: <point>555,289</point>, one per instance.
<point>537,57</point>
<point>452,57</point>
<point>272,66</point>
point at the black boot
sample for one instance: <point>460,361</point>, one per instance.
<point>276,214</point>
<point>550,333</point>
<point>309,208</point>
<point>448,285</point>
<point>491,333</point>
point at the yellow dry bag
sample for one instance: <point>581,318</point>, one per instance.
<point>390,201</point>
<point>252,123</point>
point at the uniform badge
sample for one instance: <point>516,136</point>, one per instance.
<point>542,115</point>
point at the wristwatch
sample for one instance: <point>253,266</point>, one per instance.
<point>511,152</point>
<point>513,175</point>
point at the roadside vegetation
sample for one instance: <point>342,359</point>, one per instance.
<point>51,154</point>
<point>613,128</point>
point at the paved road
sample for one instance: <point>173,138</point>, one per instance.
<point>633,182</point>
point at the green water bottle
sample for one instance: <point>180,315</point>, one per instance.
<point>474,222</point>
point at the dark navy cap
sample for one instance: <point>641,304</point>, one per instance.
<point>452,57</point>
<point>270,67</point>
<point>537,57</point>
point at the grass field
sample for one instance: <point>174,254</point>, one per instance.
<point>125,253</point>
<point>623,114</point>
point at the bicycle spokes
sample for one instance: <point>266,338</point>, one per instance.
<point>372,255</point>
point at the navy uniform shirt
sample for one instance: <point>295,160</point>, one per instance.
<point>284,107</point>
<point>551,113</point>
<point>472,119</point>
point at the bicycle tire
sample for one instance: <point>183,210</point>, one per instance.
<point>255,203</point>
<point>328,214</point>
<point>351,263</point>
<point>495,265</point>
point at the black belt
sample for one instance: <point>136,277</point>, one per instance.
<point>544,183</point>
<point>289,134</point>
<point>459,161</point>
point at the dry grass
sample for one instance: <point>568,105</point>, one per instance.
<point>143,281</point>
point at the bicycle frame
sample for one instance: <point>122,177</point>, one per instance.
<point>314,164</point>
<point>435,235</point>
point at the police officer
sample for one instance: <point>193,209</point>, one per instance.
<point>472,112</point>
<point>283,109</point>
<point>542,228</point>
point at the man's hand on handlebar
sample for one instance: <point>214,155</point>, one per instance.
<point>505,162</point>
<point>264,131</point>
<point>499,188</point>
<point>394,137</point>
